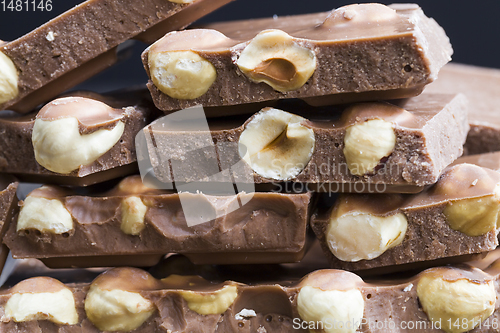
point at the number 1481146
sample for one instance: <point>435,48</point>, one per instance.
<point>26,5</point>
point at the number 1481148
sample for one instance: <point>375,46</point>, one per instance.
<point>26,5</point>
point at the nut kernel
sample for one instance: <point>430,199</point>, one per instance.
<point>57,304</point>
<point>181,1</point>
<point>8,79</point>
<point>45,215</point>
<point>181,74</point>
<point>276,145</point>
<point>374,234</point>
<point>216,302</point>
<point>326,306</point>
<point>117,310</point>
<point>365,144</point>
<point>360,14</point>
<point>133,212</point>
<point>275,58</point>
<point>59,146</point>
<point>474,216</point>
<point>460,301</point>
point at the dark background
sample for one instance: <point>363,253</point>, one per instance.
<point>473,28</point>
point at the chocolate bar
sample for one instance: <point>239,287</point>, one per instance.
<point>358,53</point>
<point>455,217</point>
<point>136,226</point>
<point>451,298</point>
<point>371,147</point>
<point>8,208</point>
<point>81,139</point>
<point>82,42</point>
<point>481,86</point>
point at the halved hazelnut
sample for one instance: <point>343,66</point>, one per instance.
<point>276,144</point>
<point>275,58</point>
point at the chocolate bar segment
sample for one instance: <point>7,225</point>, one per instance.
<point>145,224</point>
<point>366,231</point>
<point>80,139</point>
<point>8,209</point>
<point>83,41</point>
<point>384,147</point>
<point>321,299</point>
<point>481,86</point>
<point>346,58</point>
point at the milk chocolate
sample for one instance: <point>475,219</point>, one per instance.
<point>486,160</point>
<point>361,53</point>
<point>455,217</point>
<point>243,228</point>
<point>83,41</point>
<point>429,134</point>
<point>93,112</point>
<point>481,86</point>
<point>377,305</point>
<point>8,208</point>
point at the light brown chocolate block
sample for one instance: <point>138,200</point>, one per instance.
<point>481,86</point>
<point>371,147</point>
<point>357,53</point>
<point>59,144</point>
<point>8,209</point>
<point>456,217</point>
<point>135,225</point>
<point>434,300</point>
<point>83,41</point>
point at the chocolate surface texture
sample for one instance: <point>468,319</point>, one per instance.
<point>267,227</point>
<point>429,131</point>
<point>17,155</point>
<point>277,307</point>
<point>359,53</point>
<point>83,41</point>
<point>481,86</point>
<point>448,220</point>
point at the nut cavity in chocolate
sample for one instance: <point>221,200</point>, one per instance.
<point>181,74</point>
<point>8,79</point>
<point>276,144</point>
<point>273,57</point>
<point>60,54</point>
<point>373,234</point>
<point>413,47</point>
<point>28,302</point>
<point>58,143</point>
<point>327,306</point>
<point>133,211</point>
<point>44,215</point>
<point>464,301</point>
<point>416,160</point>
<point>114,303</point>
<point>216,302</point>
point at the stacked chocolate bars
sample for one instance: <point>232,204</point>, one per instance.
<point>264,121</point>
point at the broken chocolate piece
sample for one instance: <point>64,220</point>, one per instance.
<point>75,140</point>
<point>330,63</point>
<point>372,147</point>
<point>83,41</point>
<point>8,209</point>
<point>145,224</point>
<point>325,297</point>
<point>481,86</point>
<point>393,229</point>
